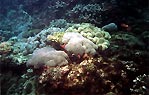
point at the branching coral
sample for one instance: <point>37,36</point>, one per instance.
<point>127,40</point>
<point>23,87</point>
<point>140,85</point>
<point>86,13</point>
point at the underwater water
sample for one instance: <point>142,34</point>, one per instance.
<point>74,47</point>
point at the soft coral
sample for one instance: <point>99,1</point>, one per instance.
<point>48,56</point>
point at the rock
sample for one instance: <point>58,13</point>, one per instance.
<point>110,27</point>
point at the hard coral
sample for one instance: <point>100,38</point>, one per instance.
<point>48,56</point>
<point>94,74</point>
<point>5,47</point>
<point>57,36</point>
<point>92,33</point>
<point>76,44</point>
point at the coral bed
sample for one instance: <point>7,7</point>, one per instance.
<point>78,60</point>
<point>107,53</point>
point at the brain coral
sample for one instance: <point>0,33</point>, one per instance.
<point>48,56</point>
<point>78,45</point>
<point>97,35</point>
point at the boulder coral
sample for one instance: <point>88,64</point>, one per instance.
<point>76,44</point>
<point>48,56</point>
<point>92,33</point>
<point>97,35</point>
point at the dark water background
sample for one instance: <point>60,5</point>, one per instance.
<point>17,16</point>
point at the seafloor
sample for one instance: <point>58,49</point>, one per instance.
<point>74,47</point>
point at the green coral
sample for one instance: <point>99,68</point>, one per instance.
<point>87,30</point>
<point>95,34</point>
<point>57,36</point>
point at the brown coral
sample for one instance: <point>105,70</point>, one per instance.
<point>5,48</point>
<point>95,74</point>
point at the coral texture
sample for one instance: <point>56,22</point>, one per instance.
<point>78,45</point>
<point>48,56</point>
<point>95,34</point>
<point>5,47</point>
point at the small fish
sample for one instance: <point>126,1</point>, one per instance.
<point>63,46</point>
<point>126,26</point>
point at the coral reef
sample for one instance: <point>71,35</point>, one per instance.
<point>88,72</point>
<point>127,41</point>
<point>27,86</point>
<point>17,21</point>
<point>73,60</point>
<point>140,85</point>
<point>23,16</point>
<point>5,47</point>
<point>39,40</point>
<point>20,49</point>
<point>95,34</point>
<point>87,13</point>
<point>76,44</point>
<point>56,37</point>
<point>55,47</point>
<point>61,23</point>
<point>48,56</point>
